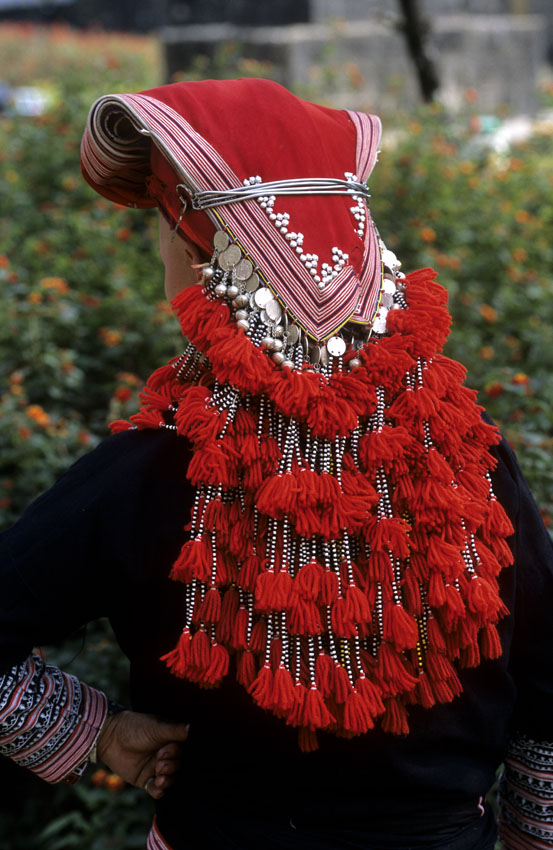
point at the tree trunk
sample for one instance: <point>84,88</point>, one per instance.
<point>416,28</point>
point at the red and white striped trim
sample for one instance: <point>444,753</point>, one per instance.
<point>155,839</point>
<point>201,167</point>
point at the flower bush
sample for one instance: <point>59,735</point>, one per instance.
<point>82,323</point>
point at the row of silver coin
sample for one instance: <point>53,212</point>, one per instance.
<point>258,313</point>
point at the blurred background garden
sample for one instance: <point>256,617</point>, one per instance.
<point>83,321</point>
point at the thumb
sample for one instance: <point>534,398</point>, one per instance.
<point>174,731</point>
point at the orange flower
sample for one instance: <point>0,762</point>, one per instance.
<point>522,216</point>
<point>415,128</point>
<point>129,378</point>
<point>57,283</point>
<point>24,432</point>
<point>5,502</point>
<point>494,389</point>
<point>516,164</point>
<point>466,166</point>
<point>520,255</point>
<point>98,777</point>
<point>4,262</point>
<point>16,378</point>
<point>38,414</point>
<point>111,337</point>
<point>470,95</point>
<point>114,783</point>
<point>520,378</point>
<point>124,233</point>
<point>34,297</point>
<point>488,313</point>
<point>428,234</point>
<point>487,352</point>
<point>83,438</point>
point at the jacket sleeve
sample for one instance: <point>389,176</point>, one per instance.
<point>526,785</point>
<point>68,560</point>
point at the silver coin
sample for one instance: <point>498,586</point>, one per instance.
<point>262,296</point>
<point>324,355</point>
<point>293,334</point>
<point>233,255</point>
<point>224,261</point>
<point>221,240</point>
<point>389,259</point>
<point>252,283</point>
<point>387,299</point>
<point>336,346</point>
<point>243,270</point>
<point>273,310</point>
<point>264,317</point>
<point>305,344</point>
<point>388,286</point>
<point>379,324</point>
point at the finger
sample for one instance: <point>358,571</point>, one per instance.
<point>156,786</point>
<point>166,768</point>
<point>169,751</point>
<point>175,731</point>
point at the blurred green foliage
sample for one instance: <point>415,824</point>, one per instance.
<point>83,323</point>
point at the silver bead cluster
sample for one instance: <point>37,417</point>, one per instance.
<point>281,221</point>
<point>358,211</point>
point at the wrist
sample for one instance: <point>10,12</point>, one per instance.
<point>102,741</point>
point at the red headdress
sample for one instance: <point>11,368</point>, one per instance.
<point>345,541</point>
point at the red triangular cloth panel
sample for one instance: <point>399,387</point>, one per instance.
<point>237,133</point>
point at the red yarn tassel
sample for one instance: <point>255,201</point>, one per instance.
<point>324,673</point>
<point>179,658</point>
<point>200,650</point>
<point>357,714</point>
<point>394,719</point>
<point>218,667</point>
<point>262,687</point>
<point>239,629</point>
<point>273,590</point>
<point>372,695</point>
<point>246,671</point>
<point>392,670</point>
<point>229,609</point>
<point>195,561</point>
<point>399,627</point>
<point>307,740</point>
<point>329,587</point>
<point>249,572</point>
<point>258,640</point>
<point>309,579</point>
<point>342,624</point>
<point>424,693</point>
<point>357,605</point>
<point>481,598</point>
<point>283,690</point>
<point>342,684</point>
<point>435,636</point>
<point>210,609</point>
<point>315,713</point>
<point>304,617</point>
<point>490,643</point>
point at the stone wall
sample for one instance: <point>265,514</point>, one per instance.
<point>499,55</point>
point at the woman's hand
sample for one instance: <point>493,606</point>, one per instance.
<point>142,750</point>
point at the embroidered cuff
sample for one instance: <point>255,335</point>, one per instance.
<point>49,721</point>
<point>526,795</point>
